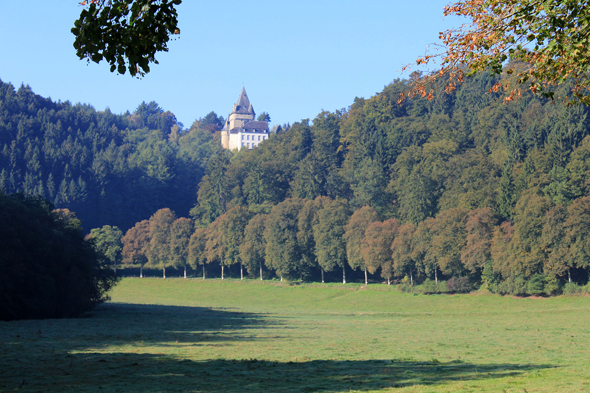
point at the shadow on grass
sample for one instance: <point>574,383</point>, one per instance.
<point>73,355</point>
<point>147,373</point>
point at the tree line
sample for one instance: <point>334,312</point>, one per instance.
<point>413,161</point>
<point>300,239</point>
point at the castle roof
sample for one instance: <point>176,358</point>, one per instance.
<point>243,105</point>
<point>257,125</point>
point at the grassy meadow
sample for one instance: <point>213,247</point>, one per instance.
<point>232,336</point>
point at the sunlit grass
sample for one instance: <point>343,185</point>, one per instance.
<point>232,336</point>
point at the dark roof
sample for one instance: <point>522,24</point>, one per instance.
<point>262,125</point>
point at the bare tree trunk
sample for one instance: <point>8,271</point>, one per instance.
<point>388,281</point>
<point>435,277</point>
<point>164,272</point>
<point>184,271</point>
<point>222,272</point>
<point>411,279</point>
<point>343,275</point>
<point>322,276</point>
<point>281,278</point>
<point>203,271</point>
<point>140,271</point>
<point>366,278</point>
<point>569,275</point>
<point>261,272</point>
<point>241,271</point>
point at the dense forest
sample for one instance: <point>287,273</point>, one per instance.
<point>465,187</point>
<point>109,169</point>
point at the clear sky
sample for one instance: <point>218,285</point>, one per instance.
<point>294,57</point>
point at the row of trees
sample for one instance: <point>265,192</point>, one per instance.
<point>546,243</point>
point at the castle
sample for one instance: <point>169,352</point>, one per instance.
<point>241,130</point>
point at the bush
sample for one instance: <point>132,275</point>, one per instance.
<point>536,284</point>
<point>513,285</point>
<point>47,269</point>
<point>573,289</point>
<point>430,287</point>
<point>459,285</point>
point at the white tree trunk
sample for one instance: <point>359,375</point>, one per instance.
<point>140,271</point>
<point>366,278</point>
<point>222,272</point>
<point>281,278</point>
<point>164,272</point>
<point>388,281</point>
<point>203,271</point>
<point>261,272</point>
<point>435,276</point>
<point>241,271</point>
<point>411,279</point>
<point>184,271</point>
<point>569,275</point>
<point>322,276</point>
<point>343,275</point>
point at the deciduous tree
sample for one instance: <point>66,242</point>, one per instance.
<point>180,234</point>
<point>159,252</point>
<point>329,236</point>
<point>107,240</point>
<point>127,34</point>
<point>136,244</point>
<point>545,39</point>
<point>354,235</point>
<point>253,248</point>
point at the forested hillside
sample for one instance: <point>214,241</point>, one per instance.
<point>109,169</point>
<point>463,185</point>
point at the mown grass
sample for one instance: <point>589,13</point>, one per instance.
<point>232,336</point>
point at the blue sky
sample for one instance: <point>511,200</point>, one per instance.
<point>295,58</point>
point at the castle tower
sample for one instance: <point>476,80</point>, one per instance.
<point>241,129</point>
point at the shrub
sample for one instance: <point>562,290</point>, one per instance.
<point>573,289</point>
<point>513,285</point>
<point>536,284</point>
<point>429,287</point>
<point>459,285</point>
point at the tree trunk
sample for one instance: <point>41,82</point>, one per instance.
<point>184,271</point>
<point>411,279</point>
<point>388,281</point>
<point>281,278</point>
<point>164,272</point>
<point>343,275</point>
<point>366,278</point>
<point>222,272</point>
<point>569,276</point>
<point>203,271</point>
<point>241,271</point>
<point>140,271</point>
<point>435,277</point>
<point>322,276</point>
<point>261,272</point>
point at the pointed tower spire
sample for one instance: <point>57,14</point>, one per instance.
<point>243,99</point>
<point>243,105</point>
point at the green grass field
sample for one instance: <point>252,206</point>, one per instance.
<point>232,336</point>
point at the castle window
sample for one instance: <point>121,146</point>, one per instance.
<point>242,139</point>
<point>258,137</point>
<point>248,138</point>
